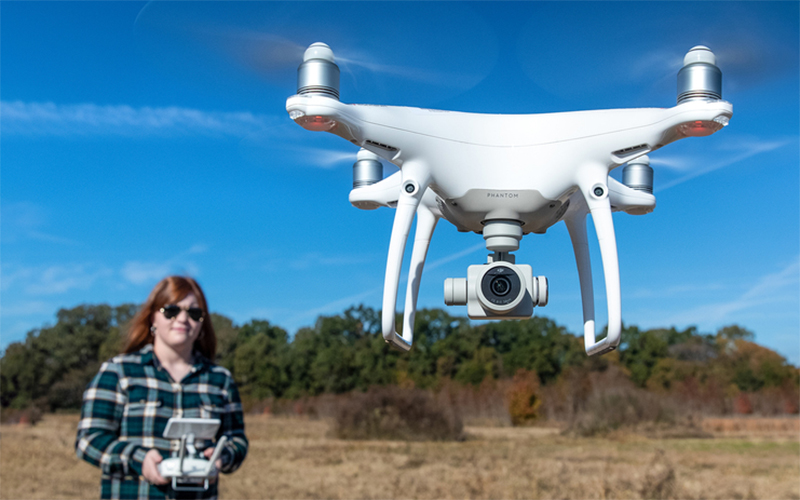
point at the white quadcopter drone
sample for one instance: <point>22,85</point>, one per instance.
<point>504,176</point>
<point>187,468</point>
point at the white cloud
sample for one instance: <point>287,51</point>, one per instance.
<point>337,305</point>
<point>53,280</point>
<point>673,291</point>
<point>333,307</point>
<point>47,118</point>
<point>314,260</point>
<point>197,249</point>
<point>771,288</point>
<point>741,150</point>
<point>444,260</point>
<point>26,308</point>
<point>142,272</point>
<point>25,220</point>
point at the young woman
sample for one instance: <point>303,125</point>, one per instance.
<point>165,371</point>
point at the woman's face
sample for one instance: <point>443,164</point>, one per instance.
<point>178,332</point>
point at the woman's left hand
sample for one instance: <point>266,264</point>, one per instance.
<point>218,463</point>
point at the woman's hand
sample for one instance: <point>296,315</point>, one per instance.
<point>150,468</point>
<point>218,463</point>
<point>210,451</point>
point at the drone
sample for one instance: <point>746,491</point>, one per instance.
<point>186,467</point>
<point>505,176</point>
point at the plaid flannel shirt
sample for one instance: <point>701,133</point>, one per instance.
<point>126,408</point>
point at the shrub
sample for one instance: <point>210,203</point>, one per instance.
<point>485,405</point>
<point>394,413</point>
<point>742,404</point>
<point>610,412</point>
<point>615,403</point>
<point>523,397</point>
<point>26,416</point>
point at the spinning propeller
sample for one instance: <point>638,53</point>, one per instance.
<point>267,39</point>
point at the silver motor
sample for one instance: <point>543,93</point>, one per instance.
<point>367,170</point>
<point>638,174</point>
<point>700,78</point>
<point>318,74</point>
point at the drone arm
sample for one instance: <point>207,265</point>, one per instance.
<point>415,181</point>
<point>426,223</point>
<point>595,192</point>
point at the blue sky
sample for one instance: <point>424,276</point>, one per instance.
<point>139,140</point>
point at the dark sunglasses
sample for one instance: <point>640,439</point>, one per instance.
<point>171,310</point>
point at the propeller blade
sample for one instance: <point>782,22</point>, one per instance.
<point>388,53</point>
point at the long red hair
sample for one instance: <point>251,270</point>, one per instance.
<point>171,290</point>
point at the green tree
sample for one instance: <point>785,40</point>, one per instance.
<point>640,351</point>
<point>259,360</point>
<point>227,339</point>
<point>54,364</point>
<point>537,344</point>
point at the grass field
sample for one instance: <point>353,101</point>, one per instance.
<point>295,458</point>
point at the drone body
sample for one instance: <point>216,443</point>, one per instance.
<point>505,176</point>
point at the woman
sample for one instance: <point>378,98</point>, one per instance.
<point>165,371</point>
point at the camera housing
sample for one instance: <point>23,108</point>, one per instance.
<point>498,290</point>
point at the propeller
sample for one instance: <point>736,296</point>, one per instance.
<point>637,65</point>
<point>378,46</point>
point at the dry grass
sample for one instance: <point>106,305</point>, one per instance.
<point>296,458</point>
<point>753,426</point>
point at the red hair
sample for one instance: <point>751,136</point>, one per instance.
<point>171,290</point>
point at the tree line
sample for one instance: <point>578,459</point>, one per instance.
<point>345,352</point>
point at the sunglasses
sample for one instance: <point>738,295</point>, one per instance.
<point>171,311</point>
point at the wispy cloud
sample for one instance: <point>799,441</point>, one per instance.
<point>338,304</point>
<point>26,308</point>
<point>332,307</point>
<point>449,258</point>
<point>770,288</point>
<point>25,220</point>
<point>673,291</point>
<point>142,272</point>
<point>319,260</point>
<point>52,280</point>
<point>731,155</point>
<point>47,118</point>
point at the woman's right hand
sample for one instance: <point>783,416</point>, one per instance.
<point>150,468</point>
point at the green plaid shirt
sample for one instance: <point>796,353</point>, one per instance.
<point>126,408</point>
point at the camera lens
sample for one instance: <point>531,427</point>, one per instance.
<point>500,285</point>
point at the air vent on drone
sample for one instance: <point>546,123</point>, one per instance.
<point>385,147</point>
<point>622,154</point>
